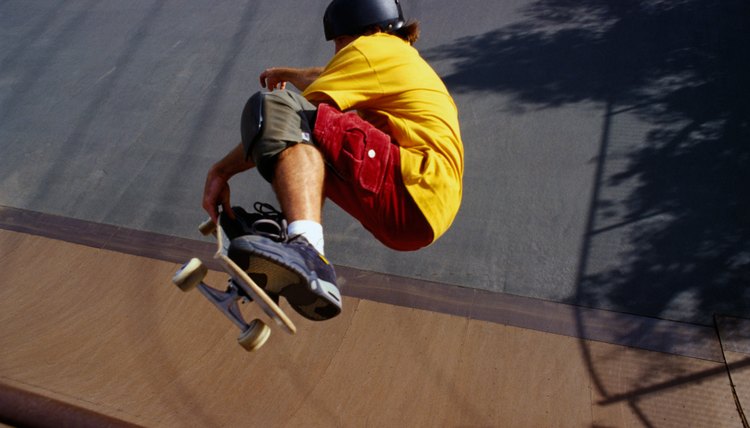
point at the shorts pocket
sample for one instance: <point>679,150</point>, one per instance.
<point>357,151</point>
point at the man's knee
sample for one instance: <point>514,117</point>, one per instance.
<point>273,122</point>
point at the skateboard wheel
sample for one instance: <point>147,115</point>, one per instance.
<point>190,275</point>
<point>207,227</point>
<point>255,336</point>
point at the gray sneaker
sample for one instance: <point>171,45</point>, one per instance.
<point>291,268</point>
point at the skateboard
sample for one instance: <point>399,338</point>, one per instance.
<point>241,289</point>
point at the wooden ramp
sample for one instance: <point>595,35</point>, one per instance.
<point>97,337</point>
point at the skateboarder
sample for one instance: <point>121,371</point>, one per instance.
<point>375,131</point>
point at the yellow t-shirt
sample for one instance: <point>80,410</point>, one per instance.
<point>386,81</point>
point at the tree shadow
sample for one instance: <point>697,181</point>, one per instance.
<point>668,230</point>
<point>670,221</point>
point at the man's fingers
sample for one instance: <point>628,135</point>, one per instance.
<point>212,212</point>
<point>272,79</point>
<point>267,79</point>
<point>226,207</point>
<point>215,195</point>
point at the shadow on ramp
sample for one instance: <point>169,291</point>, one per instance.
<point>668,231</point>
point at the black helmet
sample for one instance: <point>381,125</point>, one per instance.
<point>352,17</point>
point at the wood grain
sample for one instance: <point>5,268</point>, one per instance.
<point>105,333</point>
<point>689,340</point>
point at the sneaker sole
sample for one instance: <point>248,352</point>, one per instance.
<point>288,279</point>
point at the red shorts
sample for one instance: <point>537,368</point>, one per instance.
<point>364,178</point>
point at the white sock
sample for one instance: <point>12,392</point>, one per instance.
<point>311,230</point>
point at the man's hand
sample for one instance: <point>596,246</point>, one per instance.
<point>216,191</point>
<point>216,194</point>
<point>275,78</point>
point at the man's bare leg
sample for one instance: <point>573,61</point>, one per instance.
<point>298,184</point>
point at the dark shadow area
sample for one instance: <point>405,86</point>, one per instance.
<point>668,232</point>
<point>676,382</point>
<point>673,200</point>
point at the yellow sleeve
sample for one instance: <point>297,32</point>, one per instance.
<point>348,80</point>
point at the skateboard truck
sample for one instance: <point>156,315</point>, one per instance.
<point>241,289</point>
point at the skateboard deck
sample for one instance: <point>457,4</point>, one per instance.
<point>241,289</point>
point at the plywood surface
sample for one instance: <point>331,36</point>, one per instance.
<point>107,332</point>
<point>735,339</point>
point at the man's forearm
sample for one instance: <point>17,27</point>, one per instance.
<point>306,76</point>
<point>233,163</point>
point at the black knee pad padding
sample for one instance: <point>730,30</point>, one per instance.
<point>251,123</point>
